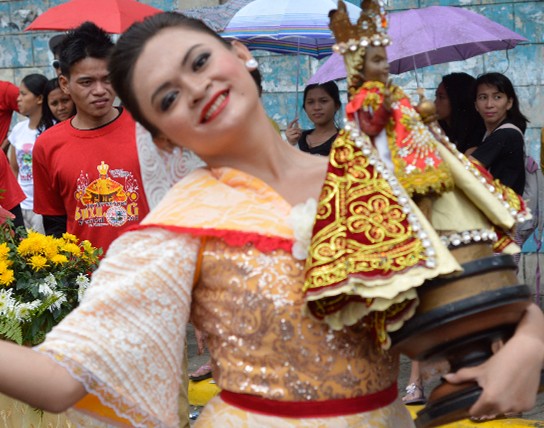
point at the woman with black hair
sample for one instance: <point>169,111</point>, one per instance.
<point>56,107</point>
<point>22,139</point>
<point>224,248</point>
<point>457,116</point>
<point>321,102</point>
<point>502,150</point>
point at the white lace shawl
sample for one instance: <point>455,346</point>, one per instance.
<point>125,341</point>
<point>161,170</point>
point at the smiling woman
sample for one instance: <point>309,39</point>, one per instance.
<point>225,248</point>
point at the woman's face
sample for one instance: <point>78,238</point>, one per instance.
<point>442,103</point>
<point>376,67</point>
<point>196,91</point>
<point>60,104</point>
<point>27,102</point>
<point>492,105</point>
<point>319,106</point>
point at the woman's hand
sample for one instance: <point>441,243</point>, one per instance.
<point>293,132</point>
<point>511,377</point>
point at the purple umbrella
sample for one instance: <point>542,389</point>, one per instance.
<point>432,35</point>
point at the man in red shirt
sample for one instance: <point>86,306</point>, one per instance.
<point>87,178</point>
<point>8,104</point>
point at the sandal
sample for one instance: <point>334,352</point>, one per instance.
<point>202,373</point>
<point>414,395</point>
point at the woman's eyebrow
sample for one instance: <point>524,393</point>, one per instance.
<point>183,63</point>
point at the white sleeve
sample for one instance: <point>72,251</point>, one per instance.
<point>125,341</point>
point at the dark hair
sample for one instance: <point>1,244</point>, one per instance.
<point>85,41</point>
<point>130,46</point>
<point>329,87</point>
<point>55,42</point>
<point>466,125</point>
<point>35,83</point>
<point>258,78</point>
<point>48,119</point>
<point>504,85</point>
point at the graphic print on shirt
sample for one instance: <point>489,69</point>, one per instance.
<point>24,160</point>
<point>107,201</point>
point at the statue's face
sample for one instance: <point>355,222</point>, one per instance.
<point>376,67</point>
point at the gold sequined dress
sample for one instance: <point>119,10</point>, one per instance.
<point>228,234</point>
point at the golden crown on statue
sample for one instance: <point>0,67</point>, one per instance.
<point>370,29</point>
<point>352,40</point>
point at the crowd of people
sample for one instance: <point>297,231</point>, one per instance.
<point>233,248</point>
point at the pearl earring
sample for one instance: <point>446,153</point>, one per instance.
<point>252,64</point>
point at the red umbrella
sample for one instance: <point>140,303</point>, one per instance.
<point>114,16</point>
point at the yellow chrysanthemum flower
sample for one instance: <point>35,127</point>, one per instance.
<point>51,247</point>
<point>7,277</point>
<point>4,266</point>
<point>4,250</point>
<point>34,244</point>
<point>87,246</point>
<point>68,237</point>
<point>38,262</point>
<point>71,248</point>
<point>59,259</point>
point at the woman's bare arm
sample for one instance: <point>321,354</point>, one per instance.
<point>36,379</point>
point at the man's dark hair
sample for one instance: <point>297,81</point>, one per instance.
<point>86,41</point>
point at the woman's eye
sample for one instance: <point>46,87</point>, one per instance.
<point>200,61</point>
<point>168,100</point>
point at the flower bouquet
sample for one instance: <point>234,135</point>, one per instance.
<point>42,279</point>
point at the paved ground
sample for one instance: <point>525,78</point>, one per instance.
<point>537,414</point>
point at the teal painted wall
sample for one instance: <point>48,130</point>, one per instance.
<point>22,53</point>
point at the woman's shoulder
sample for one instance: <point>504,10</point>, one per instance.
<point>20,130</point>
<point>20,126</point>
<point>506,133</point>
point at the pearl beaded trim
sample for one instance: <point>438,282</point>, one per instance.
<point>353,45</point>
<point>468,237</point>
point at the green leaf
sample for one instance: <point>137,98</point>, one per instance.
<point>11,329</point>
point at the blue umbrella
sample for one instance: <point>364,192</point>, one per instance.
<point>286,26</point>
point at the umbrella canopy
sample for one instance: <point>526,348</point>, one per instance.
<point>286,26</point>
<point>432,35</point>
<point>113,16</point>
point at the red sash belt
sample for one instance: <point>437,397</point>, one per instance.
<point>311,409</point>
